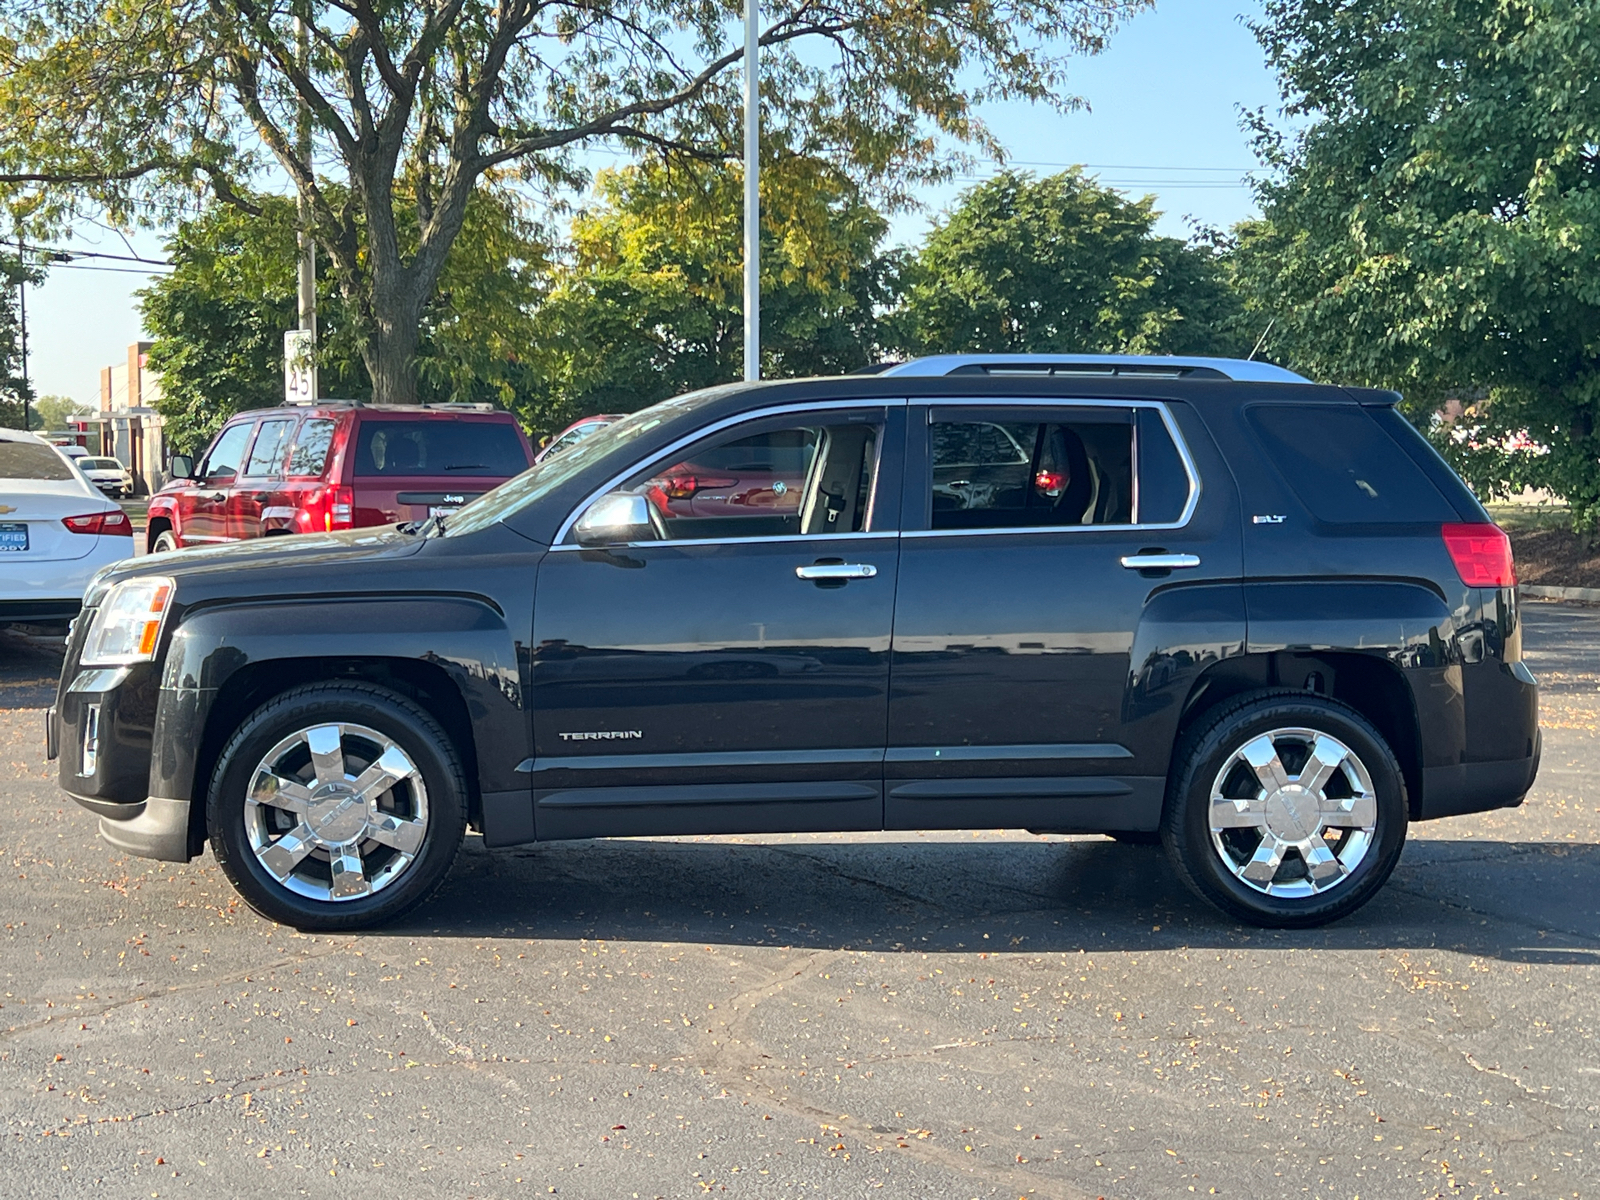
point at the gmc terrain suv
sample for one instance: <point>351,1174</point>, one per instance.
<point>1204,600</point>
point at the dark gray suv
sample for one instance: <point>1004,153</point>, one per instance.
<point>1200,601</point>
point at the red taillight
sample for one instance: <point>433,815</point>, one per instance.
<point>113,522</point>
<point>341,510</point>
<point>326,509</point>
<point>1482,554</point>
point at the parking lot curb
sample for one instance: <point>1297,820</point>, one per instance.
<point>1539,592</point>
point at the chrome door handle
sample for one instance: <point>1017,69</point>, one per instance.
<point>1159,562</point>
<point>836,571</point>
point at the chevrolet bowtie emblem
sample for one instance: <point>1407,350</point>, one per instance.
<point>5,508</point>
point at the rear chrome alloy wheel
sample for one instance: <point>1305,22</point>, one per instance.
<point>336,812</point>
<point>1293,812</point>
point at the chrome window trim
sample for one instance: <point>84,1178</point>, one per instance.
<point>1195,485</point>
<point>781,410</point>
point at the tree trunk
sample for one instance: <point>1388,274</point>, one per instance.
<point>390,351</point>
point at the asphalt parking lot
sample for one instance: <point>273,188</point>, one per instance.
<point>980,1014</point>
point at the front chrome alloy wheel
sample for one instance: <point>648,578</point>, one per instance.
<point>336,812</point>
<point>1293,813</point>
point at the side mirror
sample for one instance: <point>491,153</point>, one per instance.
<point>615,519</point>
<point>182,467</point>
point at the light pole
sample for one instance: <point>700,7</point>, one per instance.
<point>306,344</point>
<point>752,190</point>
<point>22,319</point>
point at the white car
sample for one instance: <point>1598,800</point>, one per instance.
<point>56,530</point>
<point>107,474</point>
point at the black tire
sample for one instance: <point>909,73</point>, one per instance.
<point>165,540</point>
<point>1186,828</point>
<point>413,730</point>
<point>1136,837</point>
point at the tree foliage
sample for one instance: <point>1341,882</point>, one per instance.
<point>14,389</point>
<point>649,301</point>
<point>53,413</point>
<point>1023,264</point>
<point>132,108</point>
<point>1436,226</point>
<point>218,318</point>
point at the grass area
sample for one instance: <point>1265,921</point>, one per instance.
<point>1522,517</point>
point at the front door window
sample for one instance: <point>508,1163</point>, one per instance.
<point>774,480</point>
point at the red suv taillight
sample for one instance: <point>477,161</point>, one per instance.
<point>114,522</point>
<point>1482,554</point>
<point>683,487</point>
<point>329,508</point>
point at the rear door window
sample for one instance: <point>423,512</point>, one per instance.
<point>266,455</point>
<point>1344,467</point>
<point>445,447</point>
<point>310,455</point>
<point>1003,469</point>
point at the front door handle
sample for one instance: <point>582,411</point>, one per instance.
<point>836,571</point>
<point>1159,562</point>
<point>218,498</point>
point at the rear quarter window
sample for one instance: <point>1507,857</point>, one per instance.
<point>1345,467</point>
<point>441,447</point>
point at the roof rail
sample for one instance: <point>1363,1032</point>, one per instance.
<point>323,403</point>
<point>465,406</point>
<point>1148,366</point>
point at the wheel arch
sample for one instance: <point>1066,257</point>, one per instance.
<point>1369,683</point>
<point>453,655</point>
<point>255,684</point>
<point>156,526</point>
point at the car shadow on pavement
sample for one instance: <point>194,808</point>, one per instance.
<point>1520,901</point>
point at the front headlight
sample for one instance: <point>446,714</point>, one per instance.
<point>127,625</point>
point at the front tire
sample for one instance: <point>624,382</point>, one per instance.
<point>165,540</point>
<point>337,806</point>
<point>1285,810</point>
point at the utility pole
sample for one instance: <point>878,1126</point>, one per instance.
<point>22,321</point>
<point>752,190</point>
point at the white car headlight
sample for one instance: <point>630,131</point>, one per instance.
<point>127,625</point>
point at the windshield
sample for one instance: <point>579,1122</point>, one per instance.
<point>540,480</point>
<point>100,464</point>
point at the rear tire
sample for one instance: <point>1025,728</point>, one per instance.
<point>337,806</point>
<point>1285,810</point>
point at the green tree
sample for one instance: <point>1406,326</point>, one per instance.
<point>218,318</point>
<point>1022,264</point>
<point>14,389</point>
<point>649,300</point>
<point>54,412</point>
<point>1435,226</point>
<point>134,108</point>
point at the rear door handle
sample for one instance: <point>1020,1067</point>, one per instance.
<point>836,571</point>
<point>1159,562</point>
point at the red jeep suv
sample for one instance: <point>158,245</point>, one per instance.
<point>334,465</point>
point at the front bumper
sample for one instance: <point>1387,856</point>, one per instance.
<point>157,828</point>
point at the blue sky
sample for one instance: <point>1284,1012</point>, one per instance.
<point>1163,118</point>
